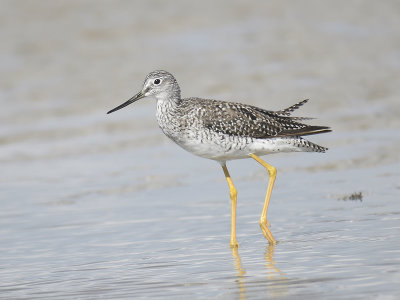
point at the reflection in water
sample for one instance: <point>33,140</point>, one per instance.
<point>240,273</point>
<point>277,282</point>
<point>277,279</point>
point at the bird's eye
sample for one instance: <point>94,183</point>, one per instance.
<point>157,81</point>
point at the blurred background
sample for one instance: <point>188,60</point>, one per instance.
<point>105,205</point>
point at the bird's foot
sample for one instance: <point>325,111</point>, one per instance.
<point>267,233</point>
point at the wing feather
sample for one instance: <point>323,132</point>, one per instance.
<point>249,121</point>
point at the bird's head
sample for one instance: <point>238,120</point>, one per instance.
<point>159,84</point>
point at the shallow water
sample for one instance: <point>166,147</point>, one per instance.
<point>104,206</point>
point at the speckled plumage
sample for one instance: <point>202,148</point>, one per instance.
<point>223,130</point>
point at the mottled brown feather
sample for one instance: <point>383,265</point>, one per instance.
<point>249,121</point>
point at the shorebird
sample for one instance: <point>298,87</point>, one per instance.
<point>224,131</point>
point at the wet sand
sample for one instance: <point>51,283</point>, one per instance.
<point>96,205</point>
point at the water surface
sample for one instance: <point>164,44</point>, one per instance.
<point>104,206</point>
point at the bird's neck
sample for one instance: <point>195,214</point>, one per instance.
<point>169,99</point>
<point>167,105</point>
<point>167,112</point>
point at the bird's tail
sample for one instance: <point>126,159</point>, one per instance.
<point>308,146</point>
<point>288,111</point>
<point>308,130</point>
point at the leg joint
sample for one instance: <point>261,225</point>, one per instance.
<point>272,171</point>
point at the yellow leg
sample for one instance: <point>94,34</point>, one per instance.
<point>233,195</point>
<point>264,224</point>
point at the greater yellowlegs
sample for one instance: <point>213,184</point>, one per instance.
<point>224,131</point>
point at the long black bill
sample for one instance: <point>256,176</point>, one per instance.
<point>138,96</point>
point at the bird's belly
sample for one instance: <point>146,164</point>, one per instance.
<point>223,147</point>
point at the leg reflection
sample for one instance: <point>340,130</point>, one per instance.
<point>278,283</point>
<point>240,273</point>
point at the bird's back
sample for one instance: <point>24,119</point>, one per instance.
<point>243,120</point>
